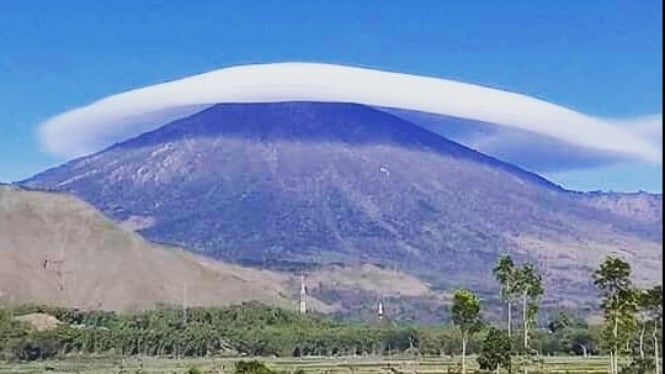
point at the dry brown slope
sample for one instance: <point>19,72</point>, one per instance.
<point>568,265</point>
<point>58,250</point>
<point>369,278</point>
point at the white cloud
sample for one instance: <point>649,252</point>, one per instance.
<point>650,128</point>
<point>531,150</point>
<point>130,113</point>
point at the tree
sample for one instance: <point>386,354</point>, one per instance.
<point>580,341</point>
<point>504,271</point>
<point>251,367</point>
<point>495,350</point>
<point>652,301</point>
<point>529,285</point>
<point>619,303</point>
<point>466,315</point>
<point>572,332</point>
<point>563,320</point>
<point>643,306</point>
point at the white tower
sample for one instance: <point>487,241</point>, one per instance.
<point>379,311</point>
<point>302,300</point>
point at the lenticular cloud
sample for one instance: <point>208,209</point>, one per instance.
<point>118,117</point>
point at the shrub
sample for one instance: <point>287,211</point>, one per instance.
<point>495,350</point>
<point>252,367</point>
<point>194,370</point>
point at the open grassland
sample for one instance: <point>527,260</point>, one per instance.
<point>332,365</point>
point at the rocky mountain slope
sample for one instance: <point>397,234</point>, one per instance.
<point>298,185</point>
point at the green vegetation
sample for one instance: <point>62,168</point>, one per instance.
<point>621,302</point>
<point>528,285</point>
<point>250,329</point>
<point>504,271</point>
<point>495,350</point>
<point>466,315</point>
<point>298,365</point>
<point>619,305</point>
<point>252,367</point>
<point>629,337</point>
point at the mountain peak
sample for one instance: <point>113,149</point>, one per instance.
<point>296,185</point>
<point>136,111</point>
<point>347,124</point>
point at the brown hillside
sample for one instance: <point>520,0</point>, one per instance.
<point>58,250</point>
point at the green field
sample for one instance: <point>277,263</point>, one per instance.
<point>332,365</point>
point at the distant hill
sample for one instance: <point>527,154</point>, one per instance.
<point>58,250</point>
<point>295,186</point>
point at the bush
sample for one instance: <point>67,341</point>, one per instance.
<point>252,367</point>
<point>495,350</point>
<point>33,349</point>
<point>639,366</point>
<point>194,370</point>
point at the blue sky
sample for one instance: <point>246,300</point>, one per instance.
<point>600,57</point>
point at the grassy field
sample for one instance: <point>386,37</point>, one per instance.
<point>336,365</point>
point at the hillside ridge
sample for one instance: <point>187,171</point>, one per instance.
<point>297,185</point>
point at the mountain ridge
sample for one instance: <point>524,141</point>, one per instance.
<point>320,183</point>
<point>352,139</point>
<point>57,250</point>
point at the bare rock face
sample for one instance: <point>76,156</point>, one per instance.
<point>297,185</point>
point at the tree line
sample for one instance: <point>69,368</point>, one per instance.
<point>250,329</point>
<point>632,328</point>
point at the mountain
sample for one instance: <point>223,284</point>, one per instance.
<point>58,250</point>
<point>300,185</point>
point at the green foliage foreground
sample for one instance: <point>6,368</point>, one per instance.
<point>249,329</point>
<point>630,336</point>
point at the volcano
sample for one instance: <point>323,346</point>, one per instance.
<point>298,185</point>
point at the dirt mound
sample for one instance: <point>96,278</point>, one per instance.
<point>40,321</point>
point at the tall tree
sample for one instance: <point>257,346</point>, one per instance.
<point>504,272</point>
<point>653,303</point>
<point>466,315</point>
<point>529,285</point>
<point>643,309</point>
<point>619,303</point>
